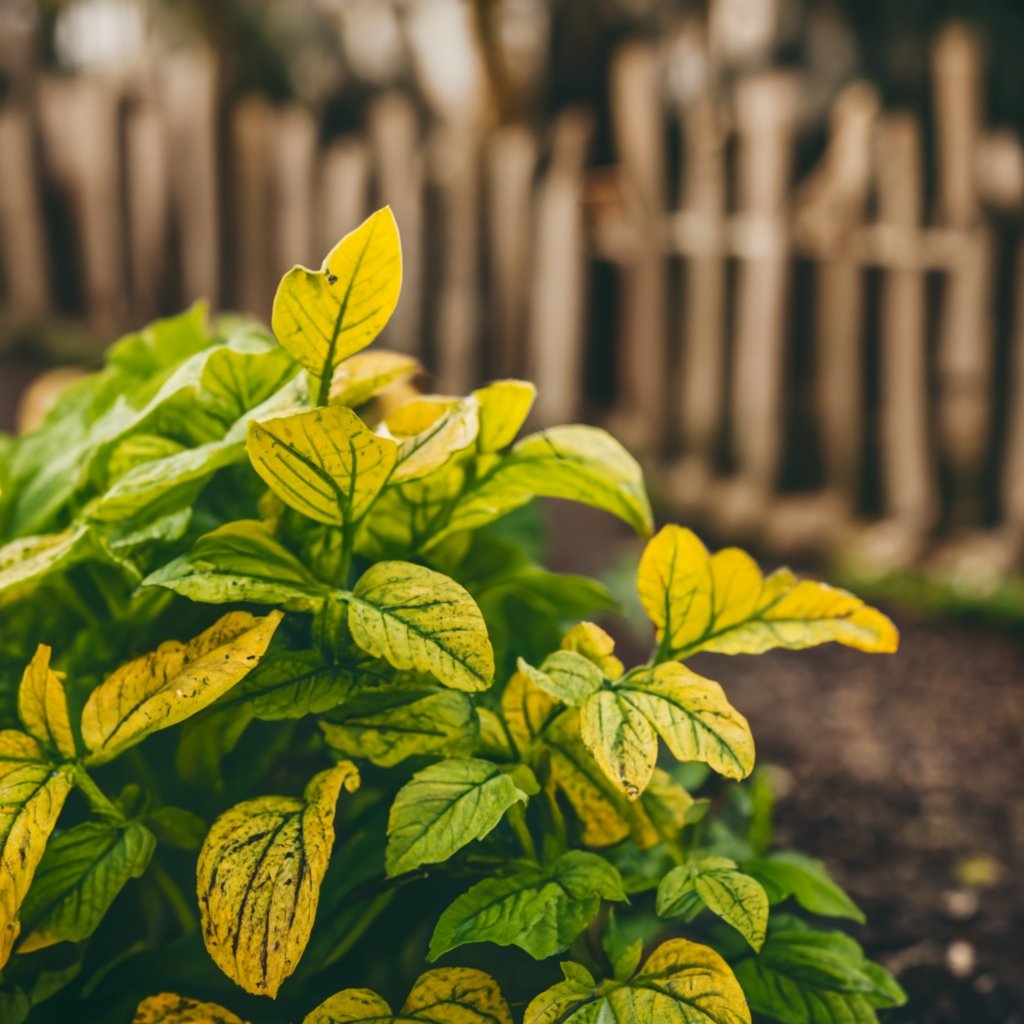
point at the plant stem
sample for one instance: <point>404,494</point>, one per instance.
<point>98,800</point>
<point>517,819</point>
<point>180,906</point>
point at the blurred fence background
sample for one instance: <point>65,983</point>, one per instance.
<point>791,279</point>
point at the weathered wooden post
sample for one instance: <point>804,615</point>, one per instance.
<point>293,153</point>
<point>559,272</point>
<point>765,122</point>
<point>343,190</point>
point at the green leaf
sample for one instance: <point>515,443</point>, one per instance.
<point>539,909</point>
<point>323,463</point>
<point>79,877</point>
<point>681,983</point>
<point>241,561</point>
<point>577,463</point>
<point>366,375</point>
<point>258,879</point>
<point>416,618</point>
<point>388,726</point>
<point>28,560</point>
<point>806,976</point>
<point>448,995</point>
<point>569,677</point>
<point>32,793</point>
<point>323,317</point>
<point>444,807</point>
<point>787,873</point>
<point>177,827</point>
<point>700,602</point>
<point>204,742</point>
<point>430,429</point>
<point>172,683</point>
<point>716,883</point>
<point>292,684</point>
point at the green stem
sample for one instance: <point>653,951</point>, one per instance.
<point>180,906</point>
<point>98,800</point>
<point>363,922</point>
<point>517,819</point>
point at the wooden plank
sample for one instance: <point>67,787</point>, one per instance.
<point>559,272</point>
<point>343,200</point>
<point>23,247</point>
<point>1012,490</point>
<point>908,477</point>
<point>511,163</point>
<point>293,157</point>
<point>765,112</point>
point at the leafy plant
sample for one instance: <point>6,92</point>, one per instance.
<point>275,630</point>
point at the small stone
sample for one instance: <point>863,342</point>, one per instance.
<point>960,958</point>
<point>960,904</point>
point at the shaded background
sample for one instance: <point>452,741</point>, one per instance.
<point>775,245</point>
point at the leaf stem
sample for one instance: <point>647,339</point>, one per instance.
<point>99,802</point>
<point>180,906</point>
<point>517,819</point>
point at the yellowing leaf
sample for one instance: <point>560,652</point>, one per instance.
<point>621,740</point>
<point>681,983</point>
<point>360,378</point>
<point>700,602</point>
<point>172,683</point>
<point>32,793</point>
<point>716,883</point>
<point>168,1008</point>
<point>525,708</point>
<point>504,406</point>
<point>567,676</point>
<point>28,559</point>
<point>430,429</point>
<point>416,618</point>
<point>449,995</point>
<point>444,807</point>
<point>323,463</point>
<point>596,645</point>
<point>43,705</point>
<point>258,879</point>
<point>321,317</point>
<point>692,716</point>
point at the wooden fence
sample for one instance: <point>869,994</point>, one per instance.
<point>848,318</point>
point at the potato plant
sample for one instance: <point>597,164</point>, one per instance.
<point>293,716</point>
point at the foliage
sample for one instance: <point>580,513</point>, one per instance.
<point>274,627</point>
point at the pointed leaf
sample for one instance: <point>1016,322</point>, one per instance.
<point>569,677</point>
<point>31,559</point>
<point>430,429</point>
<point>416,618</point>
<point>595,645</point>
<point>258,879</point>
<point>32,793</point>
<point>168,1008</point>
<point>787,873</point>
<point>444,807</point>
<point>449,995</point>
<point>323,463</point>
<point>621,739</point>
<point>80,876</point>
<point>681,983</point>
<point>323,317</point>
<point>504,406</point>
<point>172,683</point>
<point>700,602</point>
<point>526,708</point>
<point>43,705</point>
<point>539,909</point>
<point>388,726</point>
<point>366,375</point>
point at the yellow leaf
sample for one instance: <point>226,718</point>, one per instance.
<point>682,982</point>
<point>322,317</point>
<point>43,705</point>
<point>168,1008</point>
<point>504,406</point>
<point>525,708</point>
<point>621,740</point>
<point>324,463</point>
<point>449,995</point>
<point>259,875</point>
<point>173,683</point>
<point>430,429</point>
<point>32,794</point>
<point>700,602</point>
<point>367,374</point>
<point>596,645</point>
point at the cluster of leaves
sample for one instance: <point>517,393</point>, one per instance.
<point>266,565</point>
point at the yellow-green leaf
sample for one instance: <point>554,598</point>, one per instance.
<point>444,807</point>
<point>324,463</point>
<point>716,883</point>
<point>721,602</point>
<point>32,793</point>
<point>596,645</point>
<point>449,995</point>
<point>569,677</point>
<point>682,982</point>
<point>168,1008</point>
<point>525,708</point>
<point>692,716</point>
<point>430,429</point>
<point>172,683</point>
<point>43,705</point>
<point>416,618</point>
<point>504,406</point>
<point>322,317</point>
<point>258,879</point>
<point>621,740</point>
<point>367,374</point>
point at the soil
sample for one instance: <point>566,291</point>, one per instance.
<point>905,774</point>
